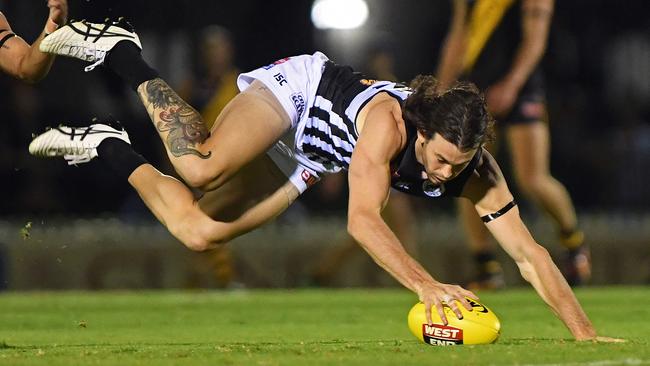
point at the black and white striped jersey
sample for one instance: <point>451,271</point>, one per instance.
<point>329,134</point>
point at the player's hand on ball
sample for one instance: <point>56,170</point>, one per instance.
<point>436,294</point>
<point>480,326</point>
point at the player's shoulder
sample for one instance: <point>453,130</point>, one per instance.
<point>382,127</point>
<point>390,106</point>
<point>486,175</point>
<point>487,167</point>
<point>381,112</point>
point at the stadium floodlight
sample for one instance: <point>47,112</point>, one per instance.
<point>339,14</point>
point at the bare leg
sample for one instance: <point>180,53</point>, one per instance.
<point>249,125</point>
<point>232,199</point>
<point>174,205</point>
<point>530,155</point>
<point>256,182</point>
<point>529,145</point>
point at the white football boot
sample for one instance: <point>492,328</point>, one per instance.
<point>89,41</point>
<point>77,145</point>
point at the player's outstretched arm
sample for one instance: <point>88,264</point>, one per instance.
<point>490,194</point>
<point>369,179</point>
<point>23,61</point>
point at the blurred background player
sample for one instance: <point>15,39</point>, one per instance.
<point>213,87</point>
<point>24,61</point>
<point>398,213</point>
<point>498,44</point>
<point>215,83</point>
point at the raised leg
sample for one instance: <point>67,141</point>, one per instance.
<point>249,125</point>
<point>255,195</point>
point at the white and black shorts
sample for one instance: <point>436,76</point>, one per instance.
<point>293,81</point>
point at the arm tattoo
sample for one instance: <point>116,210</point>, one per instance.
<point>183,123</point>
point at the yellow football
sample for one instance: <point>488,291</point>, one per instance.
<point>479,326</point>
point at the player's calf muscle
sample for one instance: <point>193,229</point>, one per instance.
<point>180,125</point>
<point>174,205</point>
<point>197,231</point>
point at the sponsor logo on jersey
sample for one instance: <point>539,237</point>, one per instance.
<point>278,62</point>
<point>308,178</point>
<point>441,335</point>
<point>432,191</point>
<point>298,102</point>
<point>279,77</point>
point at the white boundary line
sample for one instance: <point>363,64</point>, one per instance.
<point>625,361</point>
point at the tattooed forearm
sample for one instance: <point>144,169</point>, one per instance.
<point>173,115</point>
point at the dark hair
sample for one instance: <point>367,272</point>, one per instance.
<point>458,114</point>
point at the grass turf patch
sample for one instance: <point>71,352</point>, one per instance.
<point>316,327</point>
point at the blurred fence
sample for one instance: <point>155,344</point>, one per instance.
<point>98,254</point>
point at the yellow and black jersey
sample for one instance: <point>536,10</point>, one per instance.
<point>493,32</point>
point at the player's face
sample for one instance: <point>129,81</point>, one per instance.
<point>441,159</point>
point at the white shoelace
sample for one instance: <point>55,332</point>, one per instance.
<point>99,59</point>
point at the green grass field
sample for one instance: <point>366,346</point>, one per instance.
<point>306,327</point>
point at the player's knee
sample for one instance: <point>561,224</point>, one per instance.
<point>197,242</point>
<point>197,176</point>
<point>203,176</point>
<point>197,245</point>
<point>197,231</point>
<point>206,236</point>
<point>186,233</point>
